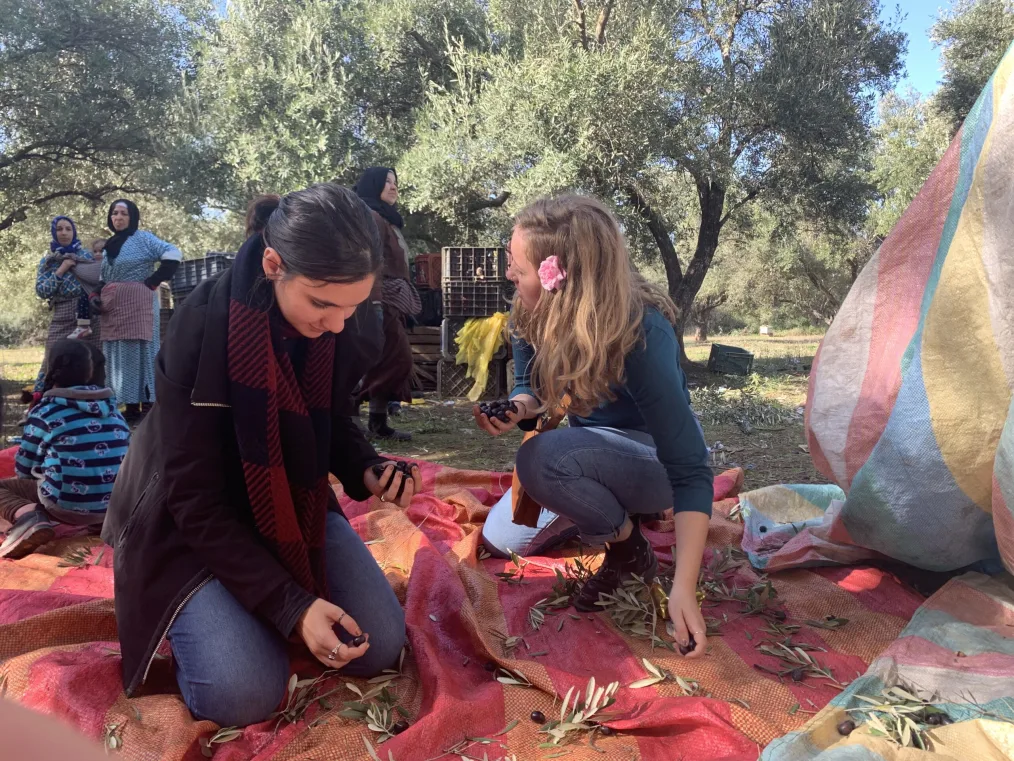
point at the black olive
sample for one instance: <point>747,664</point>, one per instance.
<point>538,717</point>
<point>797,675</point>
<point>400,727</point>
<point>490,666</point>
<point>846,727</point>
<point>604,730</point>
<point>357,641</point>
<point>689,647</point>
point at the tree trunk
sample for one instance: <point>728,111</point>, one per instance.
<point>684,286</point>
<point>701,335</point>
<point>712,199</point>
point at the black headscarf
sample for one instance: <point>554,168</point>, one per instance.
<point>369,188</point>
<point>120,236</point>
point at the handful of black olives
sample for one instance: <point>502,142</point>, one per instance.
<point>400,466</point>
<point>498,409</point>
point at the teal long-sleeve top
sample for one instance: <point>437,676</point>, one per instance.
<point>653,399</point>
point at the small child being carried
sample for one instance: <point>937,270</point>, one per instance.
<point>84,309</point>
<point>74,442</point>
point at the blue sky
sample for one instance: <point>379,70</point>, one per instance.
<point>922,60</point>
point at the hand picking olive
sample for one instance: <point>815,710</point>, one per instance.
<point>357,641</point>
<point>400,466</point>
<point>689,647</point>
<point>498,409</point>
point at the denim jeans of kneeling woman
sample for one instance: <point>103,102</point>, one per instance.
<point>232,667</point>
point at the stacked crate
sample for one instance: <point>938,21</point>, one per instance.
<point>425,343</point>
<point>474,284</point>
<point>192,272</point>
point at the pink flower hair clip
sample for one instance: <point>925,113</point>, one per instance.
<point>552,274</point>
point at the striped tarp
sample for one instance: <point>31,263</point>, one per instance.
<point>911,387</point>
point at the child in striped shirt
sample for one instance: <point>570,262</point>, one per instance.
<point>73,444</point>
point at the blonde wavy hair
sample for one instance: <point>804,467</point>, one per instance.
<point>583,331</point>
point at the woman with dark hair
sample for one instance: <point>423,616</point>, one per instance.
<point>128,303</point>
<point>66,277</point>
<point>73,444</point>
<point>229,539</point>
<point>391,379</point>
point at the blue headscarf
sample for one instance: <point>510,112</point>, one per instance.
<point>74,247</point>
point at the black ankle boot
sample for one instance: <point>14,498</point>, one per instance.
<point>380,428</point>
<point>631,557</point>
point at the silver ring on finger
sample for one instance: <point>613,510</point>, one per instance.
<point>331,656</point>
<point>383,498</point>
<point>340,619</point>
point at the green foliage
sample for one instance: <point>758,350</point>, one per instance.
<point>94,101</point>
<point>973,35</point>
<point>672,111</point>
<point>910,140</point>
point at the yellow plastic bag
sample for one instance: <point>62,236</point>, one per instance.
<point>478,341</point>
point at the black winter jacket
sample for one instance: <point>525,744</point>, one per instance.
<point>179,514</point>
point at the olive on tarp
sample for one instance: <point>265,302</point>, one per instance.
<point>538,717</point>
<point>846,727</point>
<point>399,727</point>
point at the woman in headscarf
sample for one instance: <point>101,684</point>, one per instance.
<point>129,305</point>
<point>390,380</point>
<point>66,277</point>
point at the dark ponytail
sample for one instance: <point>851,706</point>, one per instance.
<point>69,363</point>
<point>326,233</point>
<point>258,212</point>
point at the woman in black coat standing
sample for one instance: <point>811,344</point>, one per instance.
<point>229,539</point>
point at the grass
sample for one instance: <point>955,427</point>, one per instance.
<point>768,404</point>
<point>18,368</point>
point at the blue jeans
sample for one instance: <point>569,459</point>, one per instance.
<point>588,481</point>
<point>232,667</point>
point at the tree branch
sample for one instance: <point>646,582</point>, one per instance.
<point>600,27</point>
<point>96,194</point>
<point>427,48</point>
<point>581,26</point>
<point>660,232</point>
<point>488,203</point>
<point>754,192</point>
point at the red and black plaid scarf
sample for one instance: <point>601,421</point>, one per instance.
<point>282,423</point>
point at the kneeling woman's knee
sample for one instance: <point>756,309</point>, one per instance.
<point>239,693</point>
<point>387,638</point>
<point>533,462</point>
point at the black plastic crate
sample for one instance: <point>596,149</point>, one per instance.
<point>475,298</point>
<point>432,308</point>
<point>730,360</point>
<point>449,329</point>
<point>452,383</point>
<point>192,272</point>
<point>470,263</point>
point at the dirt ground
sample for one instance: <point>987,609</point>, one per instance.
<point>755,422</point>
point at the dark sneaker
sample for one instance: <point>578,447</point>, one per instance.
<point>29,532</point>
<point>631,557</point>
